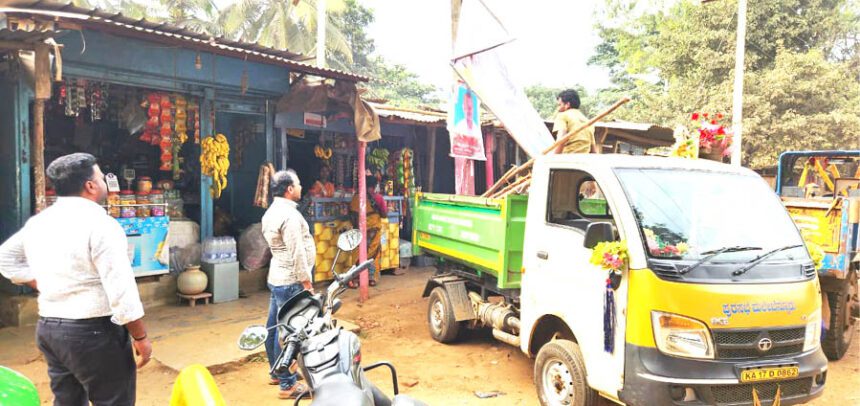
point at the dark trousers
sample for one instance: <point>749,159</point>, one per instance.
<point>280,295</point>
<point>88,361</point>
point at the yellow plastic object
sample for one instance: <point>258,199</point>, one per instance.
<point>803,175</point>
<point>824,176</point>
<point>195,387</point>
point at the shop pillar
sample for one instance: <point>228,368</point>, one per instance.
<point>364,278</point>
<point>207,126</point>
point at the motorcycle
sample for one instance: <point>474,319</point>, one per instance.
<point>328,356</point>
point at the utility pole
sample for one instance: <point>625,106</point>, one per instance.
<point>321,25</point>
<point>738,97</point>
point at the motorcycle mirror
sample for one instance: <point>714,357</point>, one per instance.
<point>349,240</point>
<point>253,337</point>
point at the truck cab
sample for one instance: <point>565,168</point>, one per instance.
<point>719,298</point>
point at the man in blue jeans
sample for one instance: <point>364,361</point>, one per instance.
<point>293,256</point>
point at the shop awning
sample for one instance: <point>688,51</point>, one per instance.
<point>70,17</point>
<point>410,116</point>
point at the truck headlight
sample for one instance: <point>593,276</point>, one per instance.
<point>813,332</point>
<point>681,336</point>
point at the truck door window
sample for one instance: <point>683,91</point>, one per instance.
<point>574,199</point>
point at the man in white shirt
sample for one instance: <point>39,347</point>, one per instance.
<point>293,257</point>
<point>76,256</point>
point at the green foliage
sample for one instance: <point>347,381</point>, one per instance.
<point>400,87</point>
<point>544,99</point>
<point>801,77</point>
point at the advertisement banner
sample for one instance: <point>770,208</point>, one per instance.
<point>464,125</point>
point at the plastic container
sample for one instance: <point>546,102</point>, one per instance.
<point>157,200</point>
<point>144,184</point>
<point>127,200</point>
<point>143,202</point>
<point>113,201</point>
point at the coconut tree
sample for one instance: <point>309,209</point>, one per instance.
<point>288,24</point>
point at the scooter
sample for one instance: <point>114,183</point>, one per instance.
<point>329,357</point>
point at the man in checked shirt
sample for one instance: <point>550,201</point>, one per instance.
<point>76,256</point>
<point>293,257</point>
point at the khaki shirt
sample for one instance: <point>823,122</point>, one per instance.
<point>568,121</point>
<point>289,238</point>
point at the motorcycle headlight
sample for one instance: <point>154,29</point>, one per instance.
<point>813,332</point>
<point>681,336</point>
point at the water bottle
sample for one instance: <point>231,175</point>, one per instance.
<point>234,253</point>
<point>222,250</point>
<point>208,250</point>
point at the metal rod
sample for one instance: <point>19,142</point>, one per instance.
<point>738,96</point>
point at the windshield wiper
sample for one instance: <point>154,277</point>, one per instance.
<point>712,253</point>
<point>759,259</point>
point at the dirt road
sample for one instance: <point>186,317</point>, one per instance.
<point>394,329</point>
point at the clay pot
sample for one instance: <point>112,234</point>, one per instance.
<point>192,281</point>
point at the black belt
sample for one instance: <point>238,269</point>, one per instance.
<point>91,321</point>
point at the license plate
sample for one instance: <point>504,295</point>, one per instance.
<point>769,374</point>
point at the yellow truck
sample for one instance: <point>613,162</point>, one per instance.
<point>719,300</point>
<point>820,191</point>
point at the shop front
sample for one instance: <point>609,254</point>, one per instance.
<point>324,153</point>
<point>143,98</point>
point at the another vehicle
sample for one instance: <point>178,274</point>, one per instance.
<point>720,298</point>
<point>820,191</point>
<point>328,356</point>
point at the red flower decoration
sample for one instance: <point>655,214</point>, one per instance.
<point>695,116</point>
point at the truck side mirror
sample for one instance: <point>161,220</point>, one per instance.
<point>597,233</point>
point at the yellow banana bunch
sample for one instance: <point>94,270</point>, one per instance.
<point>322,152</point>
<point>215,162</point>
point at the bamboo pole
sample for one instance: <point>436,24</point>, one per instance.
<point>512,186</point>
<point>561,141</point>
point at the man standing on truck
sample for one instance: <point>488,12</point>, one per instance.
<point>568,119</point>
<point>293,257</point>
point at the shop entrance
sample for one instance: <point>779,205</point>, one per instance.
<point>246,133</point>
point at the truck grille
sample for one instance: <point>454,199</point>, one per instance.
<point>809,270</point>
<point>742,344</point>
<point>726,395</point>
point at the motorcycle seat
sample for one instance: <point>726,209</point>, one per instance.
<point>339,390</point>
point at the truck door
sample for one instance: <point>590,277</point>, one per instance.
<point>559,279</point>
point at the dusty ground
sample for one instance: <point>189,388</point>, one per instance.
<point>393,329</point>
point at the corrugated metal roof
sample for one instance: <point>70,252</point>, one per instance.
<point>163,32</point>
<point>420,116</point>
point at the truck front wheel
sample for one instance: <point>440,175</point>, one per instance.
<point>444,328</point>
<point>842,300</point>
<point>560,375</point>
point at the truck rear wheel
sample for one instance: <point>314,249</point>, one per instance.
<point>842,323</point>
<point>560,376</point>
<point>444,328</point>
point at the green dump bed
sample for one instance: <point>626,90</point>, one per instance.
<point>484,235</point>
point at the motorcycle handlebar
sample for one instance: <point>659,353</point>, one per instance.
<point>288,355</point>
<point>355,271</point>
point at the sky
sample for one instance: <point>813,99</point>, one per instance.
<point>553,39</point>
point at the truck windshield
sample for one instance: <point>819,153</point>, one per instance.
<point>688,215</point>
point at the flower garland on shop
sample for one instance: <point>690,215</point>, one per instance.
<point>612,257</point>
<point>708,139</point>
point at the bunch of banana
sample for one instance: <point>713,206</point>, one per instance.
<point>214,162</point>
<point>378,158</point>
<point>322,152</point>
